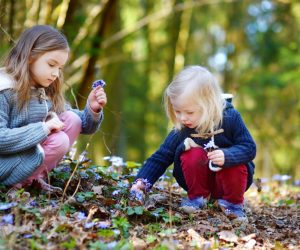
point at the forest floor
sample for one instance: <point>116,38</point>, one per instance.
<point>95,211</point>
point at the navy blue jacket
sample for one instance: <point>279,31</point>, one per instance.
<point>236,142</point>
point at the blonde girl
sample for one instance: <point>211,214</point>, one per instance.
<point>210,146</point>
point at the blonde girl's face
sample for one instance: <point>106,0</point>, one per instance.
<point>47,68</point>
<point>187,111</point>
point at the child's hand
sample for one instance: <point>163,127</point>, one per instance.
<point>217,157</point>
<point>97,99</point>
<point>138,186</point>
<point>54,124</point>
<point>137,192</point>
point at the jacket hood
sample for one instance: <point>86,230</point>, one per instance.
<point>6,81</point>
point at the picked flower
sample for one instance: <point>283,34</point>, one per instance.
<point>98,83</point>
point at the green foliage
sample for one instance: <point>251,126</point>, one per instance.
<point>123,225</point>
<point>66,209</point>
<point>84,196</point>
<point>135,210</point>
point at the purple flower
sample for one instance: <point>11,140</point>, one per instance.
<point>7,219</point>
<point>81,216</point>
<point>5,206</point>
<point>281,178</point>
<point>297,183</point>
<point>66,169</point>
<point>139,196</point>
<point>116,192</point>
<point>33,203</point>
<point>53,203</point>
<point>27,236</point>
<point>103,224</point>
<point>97,176</point>
<point>98,83</point>
<point>89,225</point>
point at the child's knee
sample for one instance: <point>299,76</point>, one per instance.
<point>71,120</point>
<point>57,142</point>
<point>196,155</point>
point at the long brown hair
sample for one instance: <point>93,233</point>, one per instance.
<point>32,44</point>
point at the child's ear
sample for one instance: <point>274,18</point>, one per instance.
<point>31,59</point>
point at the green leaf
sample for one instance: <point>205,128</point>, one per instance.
<point>130,211</point>
<point>139,210</point>
<point>150,239</point>
<point>132,164</point>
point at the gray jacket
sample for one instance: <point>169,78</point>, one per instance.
<point>21,131</point>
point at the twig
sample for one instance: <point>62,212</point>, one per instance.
<point>73,173</point>
<point>77,187</point>
<point>8,35</point>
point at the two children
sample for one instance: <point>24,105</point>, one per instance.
<point>37,127</point>
<point>210,146</point>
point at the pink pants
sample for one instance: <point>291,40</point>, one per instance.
<point>228,184</point>
<point>57,145</point>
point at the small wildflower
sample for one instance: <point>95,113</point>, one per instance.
<point>123,185</point>
<point>27,236</point>
<point>82,156</point>
<point>66,169</point>
<point>33,203</point>
<point>97,177</point>
<point>116,192</point>
<point>155,214</point>
<point>89,225</point>
<point>84,175</point>
<point>116,231</point>
<point>81,216</point>
<point>5,206</point>
<point>111,245</point>
<point>98,83</point>
<point>103,224</point>
<point>53,203</point>
<point>115,161</point>
<point>7,219</point>
<point>281,178</point>
<point>297,183</point>
<point>137,195</point>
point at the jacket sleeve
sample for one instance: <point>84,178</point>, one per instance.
<point>14,140</point>
<point>157,163</point>
<point>91,121</point>
<point>243,149</point>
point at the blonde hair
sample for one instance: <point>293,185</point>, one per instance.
<point>33,43</point>
<point>201,86</point>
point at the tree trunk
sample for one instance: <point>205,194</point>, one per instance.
<point>11,17</point>
<point>89,73</point>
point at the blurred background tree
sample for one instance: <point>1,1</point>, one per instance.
<point>137,46</point>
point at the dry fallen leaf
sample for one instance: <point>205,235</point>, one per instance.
<point>228,236</point>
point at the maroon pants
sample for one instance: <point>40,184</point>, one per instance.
<point>229,183</point>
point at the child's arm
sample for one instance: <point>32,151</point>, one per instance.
<point>243,149</point>
<point>14,140</point>
<point>92,115</point>
<point>157,163</point>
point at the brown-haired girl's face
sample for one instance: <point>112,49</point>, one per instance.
<point>46,68</point>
